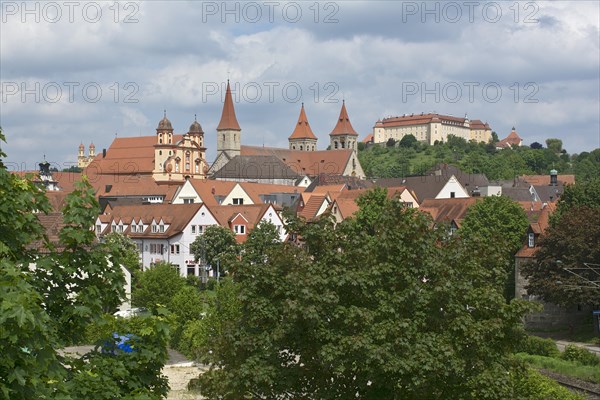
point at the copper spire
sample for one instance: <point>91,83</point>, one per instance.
<point>228,119</point>
<point>343,126</point>
<point>302,130</point>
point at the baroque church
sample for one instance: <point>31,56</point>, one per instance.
<point>170,158</point>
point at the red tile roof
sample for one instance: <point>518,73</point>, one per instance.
<point>302,129</point>
<point>343,126</point>
<point>420,119</point>
<point>312,206</point>
<point>310,163</point>
<point>540,180</point>
<point>177,216</point>
<point>368,139</point>
<point>448,210</point>
<point>127,156</point>
<point>513,138</point>
<point>228,119</point>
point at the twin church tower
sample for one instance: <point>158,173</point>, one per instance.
<point>176,157</point>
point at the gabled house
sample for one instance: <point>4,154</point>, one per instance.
<point>448,212</point>
<point>344,205</point>
<point>209,192</point>
<point>241,219</point>
<point>257,193</point>
<point>312,205</point>
<point>428,186</point>
<point>163,232</point>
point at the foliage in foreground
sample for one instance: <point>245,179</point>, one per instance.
<point>46,306</point>
<point>382,306</point>
<point>531,385</point>
<point>562,366</point>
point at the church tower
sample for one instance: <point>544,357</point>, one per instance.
<point>228,130</point>
<point>303,137</point>
<point>164,143</point>
<point>343,135</point>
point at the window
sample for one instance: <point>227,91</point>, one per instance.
<point>156,248</point>
<point>174,249</point>
<point>154,228</point>
<point>238,201</point>
<point>161,228</point>
<point>201,229</point>
<point>452,195</point>
<point>188,201</point>
<point>531,238</point>
<point>193,229</point>
<point>239,229</point>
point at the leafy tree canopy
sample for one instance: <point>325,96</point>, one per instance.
<point>157,286</point>
<point>217,244</point>
<point>381,307</point>
<point>408,141</point>
<point>571,243</point>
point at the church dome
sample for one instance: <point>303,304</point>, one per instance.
<point>165,123</point>
<point>195,127</point>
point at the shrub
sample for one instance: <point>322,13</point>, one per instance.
<point>580,355</point>
<point>531,385</point>
<point>538,346</point>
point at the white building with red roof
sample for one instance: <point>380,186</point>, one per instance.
<point>430,128</point>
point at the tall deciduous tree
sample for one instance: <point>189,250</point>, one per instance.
<point>217,246</point>
<point>501,223</point>
<point>570,243</point>
<point>157,286</point>
<point>379,307</point>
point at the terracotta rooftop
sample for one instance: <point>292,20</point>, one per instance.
<point>513,138</point>
<point>126,156</point>
<point>228,119</point>
<point>424,187</point>
<point>421,119</point>
<point>309,163</point>
<point>539,180</point>
<point>351,182</point>
<point>302,129</point>
<point>368,139</point>
<point>210,190</point>
<point>176,215</point>
<point>448,210</point>
<point>343,126</point>
<point>312,206</point>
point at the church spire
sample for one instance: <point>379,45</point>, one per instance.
<point>343,126</point>
<point>228,119</point>
<point>302,130</point>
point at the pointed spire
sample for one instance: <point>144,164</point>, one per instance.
<point>343,126</point>
<point>228,119</point>
<point>302,130</point>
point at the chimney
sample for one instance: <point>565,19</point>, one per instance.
<point>103,153</point>
<point>553,177</point>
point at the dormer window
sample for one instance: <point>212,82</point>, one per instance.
<point>154,228</point>
<point>161,228</point>
<point>531,240</point>
<point>239,229</point>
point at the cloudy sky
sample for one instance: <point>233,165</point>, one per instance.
<point>76,72</point>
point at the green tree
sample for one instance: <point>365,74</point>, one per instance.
<point>82,278</point>
<point>127,250</point>
<point>217,246</point>
<point>157,286</point>
<point>586,193</point>
<point>77,275</point>
<point>408,141</point>
<point>536,146</point>
<point>187,306</point>
<point>554,144</point>
<point>570,243</point>
<point>500,221</point>
<point>379,307</point>
<point>262,238</point>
